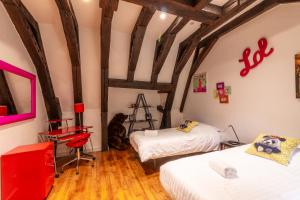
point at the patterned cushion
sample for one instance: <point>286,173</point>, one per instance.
<point>276,148</point>
<point>187,126</point>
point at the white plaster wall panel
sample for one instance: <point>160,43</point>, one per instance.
<point>264,101</point>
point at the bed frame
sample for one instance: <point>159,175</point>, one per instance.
<point>152,166</point>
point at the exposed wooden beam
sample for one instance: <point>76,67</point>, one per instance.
<point>206,6</point>
<point>179,8</point>
<point>186,50</point>
<point>119,83</point>
<point>200,4</point>
<point>211,8</point>
<point>70,27</point>
<point>164,44</point>
<point>240,20</point>
<point>6,97</point>
<point>225,17</point>
<point>184,53</point>
<point>197,61</point>
<point>137,38</point>
<point>108,8</point>
<point>245,17</point>
<point>29,32</point>
<point>229,3</point>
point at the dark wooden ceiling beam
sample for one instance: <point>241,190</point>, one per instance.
<point>185,51</point>
<point>200,4</point>
<point>119,83</point>
<point>108,8</point>
<point>70,27</point>
<point>6,98</point>
<point>137,38</point>
<point>179,8</point>
<point>240,20</point>
<point>164,44</point>
<point>245,17</point>
<point>29,32</point>
<point>197,61</point>
<point>225,17</point>
<point>211,8</point>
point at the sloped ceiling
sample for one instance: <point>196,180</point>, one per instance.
<point>88,14</point>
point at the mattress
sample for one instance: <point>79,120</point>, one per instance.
<point>170,142</point>
<point>258,178</point>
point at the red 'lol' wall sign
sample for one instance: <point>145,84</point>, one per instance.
<point>258,56</point>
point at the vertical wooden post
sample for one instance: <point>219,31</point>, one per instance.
<point>70,27</point>
<point>108,8</point>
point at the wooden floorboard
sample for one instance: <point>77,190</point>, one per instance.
<point>116,175</point>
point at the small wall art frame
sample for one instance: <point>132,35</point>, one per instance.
<point>6,67</point>
<point>297,75</point>
<point>200,83</point>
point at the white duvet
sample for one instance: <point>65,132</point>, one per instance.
<point>170,142</point>
<point>258,178</point>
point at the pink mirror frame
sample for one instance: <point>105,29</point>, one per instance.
<point>20,117</point>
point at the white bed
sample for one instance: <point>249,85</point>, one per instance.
<point>170,142</point>
<point>191,178</point>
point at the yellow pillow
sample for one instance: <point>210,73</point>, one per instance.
<point>276,148</point>
<point>187,126</point>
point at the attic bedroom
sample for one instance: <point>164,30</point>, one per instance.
<point>150,99</point>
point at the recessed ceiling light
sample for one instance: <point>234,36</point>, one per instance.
<point>86,1</point>
<point>163,16</point>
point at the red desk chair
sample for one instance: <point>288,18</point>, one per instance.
<point>77,142</point>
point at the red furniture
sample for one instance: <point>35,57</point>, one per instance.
<point>28,172</point>
<point>3,110</point>
<point>63,135</point>
<point>79,107</point>
<point>77,142</point>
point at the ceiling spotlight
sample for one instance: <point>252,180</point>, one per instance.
<point>163,16</point>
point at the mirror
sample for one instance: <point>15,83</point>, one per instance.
<point>17,94</point>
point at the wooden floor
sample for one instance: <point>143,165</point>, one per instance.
<point>116,175</point>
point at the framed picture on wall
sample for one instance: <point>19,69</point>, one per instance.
<point>199,83</point>
<point>297,75</point>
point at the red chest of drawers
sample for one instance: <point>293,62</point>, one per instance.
<point>27,172</point>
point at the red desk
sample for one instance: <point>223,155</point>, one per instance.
<point>65,131</point>
<point>63,135</point>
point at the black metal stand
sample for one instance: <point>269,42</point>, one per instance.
<point>148,116</point>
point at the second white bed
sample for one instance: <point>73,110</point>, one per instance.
<point>258,178</point>
<point>171,142</point>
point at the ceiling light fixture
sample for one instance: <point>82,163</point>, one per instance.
<point>163,16</point>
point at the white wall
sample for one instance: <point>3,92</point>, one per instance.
<point>263,101</point>
<point>250,94</point>
<point>61,73</point>
<point>13,52</point>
